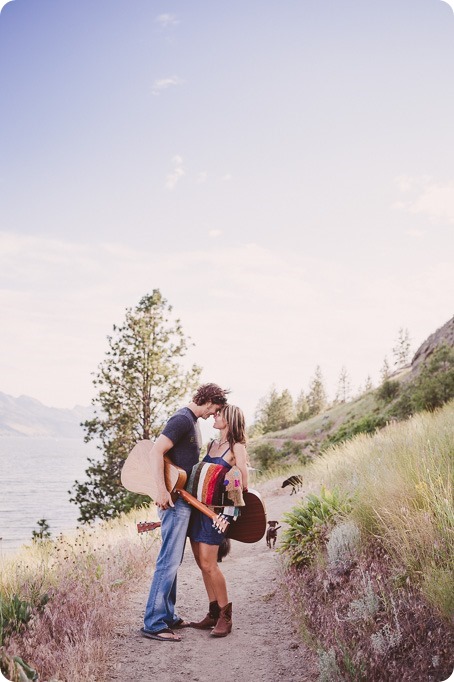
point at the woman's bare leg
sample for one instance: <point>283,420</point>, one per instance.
<point>207,582</point>
<point>213,577</point>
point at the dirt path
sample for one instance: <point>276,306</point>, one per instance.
<point>263,645</point>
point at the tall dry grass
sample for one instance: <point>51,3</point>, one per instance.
<point>75,587</point>
<point>401,480</point>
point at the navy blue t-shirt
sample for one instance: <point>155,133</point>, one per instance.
<point>184,432</point>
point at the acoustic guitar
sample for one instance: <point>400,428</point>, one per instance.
<point>136,476</point>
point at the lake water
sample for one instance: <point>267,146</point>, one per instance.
<point>35,476</point>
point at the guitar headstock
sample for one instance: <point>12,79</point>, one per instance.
<point>221,523</point>
<point>144,526</point>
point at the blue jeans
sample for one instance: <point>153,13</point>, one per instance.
<point>160,608</point>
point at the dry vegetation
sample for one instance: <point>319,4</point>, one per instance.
<point>59,599</point>
<point>376,597</point>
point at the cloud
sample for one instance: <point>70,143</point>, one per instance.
<point>431,199</point>
<point>166,20</point>
<point>178,172</point>
<point>202,177</point>
<point>165,83</point>
<point>214,233</point>
<point>404,183</point>
<point>415,233</point>
<point>436,201</point>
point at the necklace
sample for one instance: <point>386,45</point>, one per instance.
<point>222,442</point>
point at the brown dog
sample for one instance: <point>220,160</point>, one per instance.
<point>271,533</point>
<point>295,482</point>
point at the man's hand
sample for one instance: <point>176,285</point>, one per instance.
<point>164,500</point>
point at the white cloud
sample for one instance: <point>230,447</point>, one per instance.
<point>176,174</point>
<point>404,183</point>
<point>202,177</point>
<point>166,20</point>
<point>165,83</point>
<point>415,233</point>
<point>214,233</point>
<point>434,200</point>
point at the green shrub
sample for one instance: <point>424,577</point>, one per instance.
<point>388,391</point>
<point>14,613</point>
<point>431,389</point>
<point>367,424</point>
<point>265,454</point>
<point>43,533</point>
<point>290,447</point>
<point>300,540</point>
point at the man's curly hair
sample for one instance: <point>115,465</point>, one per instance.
<point>210,393</point>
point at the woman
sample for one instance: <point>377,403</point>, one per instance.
<point>229,450</point>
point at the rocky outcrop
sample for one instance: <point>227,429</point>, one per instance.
<point>444,335</point>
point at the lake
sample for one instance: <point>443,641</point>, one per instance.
<point>35,476</point>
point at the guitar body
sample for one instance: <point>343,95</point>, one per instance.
<point>137,476</point>
<point>250,526</point>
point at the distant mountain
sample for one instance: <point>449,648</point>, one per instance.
<point>25,416</point>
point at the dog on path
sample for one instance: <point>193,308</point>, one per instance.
<point>271,533</point>
<point>296,482</point>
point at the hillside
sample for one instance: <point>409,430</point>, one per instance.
<point>25,416</point>
<point>375,408</point>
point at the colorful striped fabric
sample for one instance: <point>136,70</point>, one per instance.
<point>215,485</point>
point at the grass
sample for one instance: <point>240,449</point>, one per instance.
<point>376,595</point>
<point>57,599</point>
<point>401,483</point>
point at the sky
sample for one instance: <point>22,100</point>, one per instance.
<point>281,171</point>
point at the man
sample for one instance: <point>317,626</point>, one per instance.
<point>181,441</point>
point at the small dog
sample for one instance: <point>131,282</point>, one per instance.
<point>271,533</point>
<point>295,481</point>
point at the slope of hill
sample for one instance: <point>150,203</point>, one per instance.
<point>374,409</point>
<point>25,416</point>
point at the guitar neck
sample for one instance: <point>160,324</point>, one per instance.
<point>194,502</point>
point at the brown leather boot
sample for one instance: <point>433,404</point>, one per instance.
<point>224,624</point>
<point>210,619</point>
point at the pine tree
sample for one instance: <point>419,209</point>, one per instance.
<point>369,385</point>
<point>343,387</point>
<point>140,383</point>
<point>302,407</point>
<point>385,370</point>
<point>276,411</point>
<point>401,350</point>
<point>316,397</point>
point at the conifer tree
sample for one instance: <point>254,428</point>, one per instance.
<point>369,385</point>
<point>140,383</point>
<point>276,411</point>
<point>401,350</point>
<point>385,370</point>
<point>302,407</point>
<point>316,398</point>
<point>343,387</point>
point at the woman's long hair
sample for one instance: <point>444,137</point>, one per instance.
<point>236,425</point>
